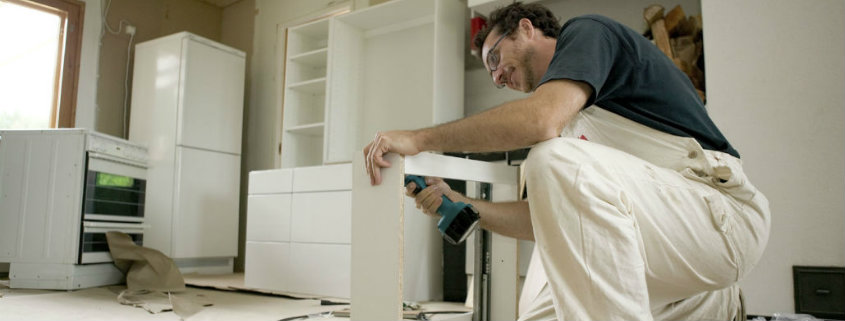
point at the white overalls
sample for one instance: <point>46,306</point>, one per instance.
<point>632,223</point>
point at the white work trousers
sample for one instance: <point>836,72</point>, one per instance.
<point>662,235</point>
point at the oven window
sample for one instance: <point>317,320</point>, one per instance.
<point>111,194</point>
<point>96,242</point>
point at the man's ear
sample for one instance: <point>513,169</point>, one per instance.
<point>526,26</point>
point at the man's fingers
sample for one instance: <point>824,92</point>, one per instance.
<point>374,172</point>
<point>366,161</point>
<point>409,189</point>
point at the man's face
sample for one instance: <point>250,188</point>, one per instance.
<point>509,61</point>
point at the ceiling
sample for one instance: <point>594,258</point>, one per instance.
<point>220,3</point>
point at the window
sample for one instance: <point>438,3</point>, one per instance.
<point>39,63</point>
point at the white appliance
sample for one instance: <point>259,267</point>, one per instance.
<point>61,190</point>
<point>187,109</point>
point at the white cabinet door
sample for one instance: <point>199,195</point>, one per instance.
<point>211,98</point>
<point>322,178</point>
<point>268,218</point>
<point>267,265</point>
<point>273,181</point>
<point>205,217</point>
<point>322,217</point>
<point>320,269</point>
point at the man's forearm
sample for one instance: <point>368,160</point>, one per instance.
<point>512,125</point>
<point>511,219</point>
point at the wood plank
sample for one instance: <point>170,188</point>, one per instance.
<point>674,18</point>
<point>430,164</point>
<point>377,241</point>
<point>504,272</point>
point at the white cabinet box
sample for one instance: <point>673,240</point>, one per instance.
<point>187,108</point>
<point>298,236</point>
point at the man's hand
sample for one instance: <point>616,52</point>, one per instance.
<point>430,198</point>
<point>396,141</point>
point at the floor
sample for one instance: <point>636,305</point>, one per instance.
<point>226,304</point>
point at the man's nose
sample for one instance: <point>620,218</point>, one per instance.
<point>498,76</point>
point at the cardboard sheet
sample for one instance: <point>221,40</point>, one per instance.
<point>145,268</point>
<point>151,279</point>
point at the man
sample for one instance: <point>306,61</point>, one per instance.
<point>641,209</point>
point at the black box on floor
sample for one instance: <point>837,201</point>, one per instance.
<point>820,291</point>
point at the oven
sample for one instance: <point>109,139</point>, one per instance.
<point>113,198</point>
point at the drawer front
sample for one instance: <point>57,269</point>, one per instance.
<point>320,269</point>
<point>268,218</point>
<point>322,178</point>
<point>266,265</point>
<point>271,181</point>
<point>322,217</point>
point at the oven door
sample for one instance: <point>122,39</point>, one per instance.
<point>114,190</point>
<point>95,248</point>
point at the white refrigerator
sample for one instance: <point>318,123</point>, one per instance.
<point>187,109</point>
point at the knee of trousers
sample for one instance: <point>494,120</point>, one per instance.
<point>556,162</point>
<point>554,155</point>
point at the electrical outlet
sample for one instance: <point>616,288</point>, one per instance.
<point>130,30</point>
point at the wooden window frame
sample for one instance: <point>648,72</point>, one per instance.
<point>66,84</point>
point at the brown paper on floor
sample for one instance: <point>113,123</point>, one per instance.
<point>183,304</point>
<point>145,268</point>
<point>151,276</point>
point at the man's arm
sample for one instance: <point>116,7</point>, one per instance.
<point>511,219</point>
<point>509,126</point>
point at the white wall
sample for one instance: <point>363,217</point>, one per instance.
<point>478,87</point>
<point>86,96</point>
<point>776,88</point>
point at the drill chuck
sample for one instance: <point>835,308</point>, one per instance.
<point>458,220</point>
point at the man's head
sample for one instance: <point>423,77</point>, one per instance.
<point>511,44</point>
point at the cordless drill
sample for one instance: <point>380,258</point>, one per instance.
<point>457,220</point>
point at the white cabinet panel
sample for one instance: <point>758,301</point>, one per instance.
<point>320,269</point>
<point>322,178</point>
<point>321,217</point>
<point>210,110</point>
<point>268,218</point>
<point>267,265</point>
<point>271,181</point>
<point>206,208</point>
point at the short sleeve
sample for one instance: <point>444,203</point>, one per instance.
<point>586,51</point>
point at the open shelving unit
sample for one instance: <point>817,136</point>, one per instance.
<point>401,68</point>
<point>305,94</point>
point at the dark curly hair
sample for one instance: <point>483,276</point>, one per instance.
<point>506,20</point>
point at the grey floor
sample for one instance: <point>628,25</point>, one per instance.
<point>101,304</point>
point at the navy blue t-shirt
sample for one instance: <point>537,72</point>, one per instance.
<point>631,77</point>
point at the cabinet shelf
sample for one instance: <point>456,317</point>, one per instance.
<point>313,86</point>
<point>315,129</point>
<point>312,58</point>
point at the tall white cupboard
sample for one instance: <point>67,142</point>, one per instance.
<point>397,65</point>
<point>187,108</point>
